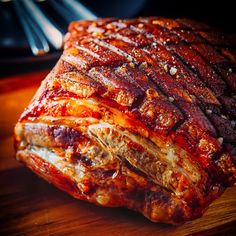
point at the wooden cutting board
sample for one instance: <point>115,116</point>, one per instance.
<point>30,206</point>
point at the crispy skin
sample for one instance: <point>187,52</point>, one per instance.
<point>137,113</point>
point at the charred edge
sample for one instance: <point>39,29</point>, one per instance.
<point>193,69</point>
<point>216,68</point>
<point>140,99</point>
<point>169,49</point>
<point>137,102</point>
<point>224,44</point>
<point>180,122</point>
<point>204,41</point>
<point>118,50</point>
<point>216,174</point>
<point>227,91</point>
<point>224,110</point>
<point>214,46</point>
<point>176,126</point>
<point>203,58</point>
<point>190,69</point>
<point>225,66</point>
<point>189,24</point>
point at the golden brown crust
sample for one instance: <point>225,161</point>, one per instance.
<point>153,96</point>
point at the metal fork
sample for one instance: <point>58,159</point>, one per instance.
<point>39,30</point>
<point>53,35</point>
<point>37,41</point>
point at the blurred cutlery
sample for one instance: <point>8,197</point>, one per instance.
<point>37,41</point>
<point>79,9</point>
<point>54,36</point>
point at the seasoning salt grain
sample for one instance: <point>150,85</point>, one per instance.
<point>208,111</point>
<point>220,140</point>
<point>173,70</point>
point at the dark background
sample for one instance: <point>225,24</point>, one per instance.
<point>14,50</point>
<point>218,13</point>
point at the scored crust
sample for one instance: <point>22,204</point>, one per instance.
<point>137,113</point>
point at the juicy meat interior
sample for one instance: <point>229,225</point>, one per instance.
<point>137,113</point>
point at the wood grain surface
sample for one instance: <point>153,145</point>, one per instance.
<point>30,206</point>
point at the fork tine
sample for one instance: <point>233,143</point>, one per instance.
<point>54,36</point>
<point>36,39</point>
